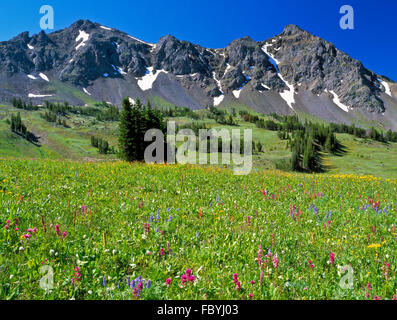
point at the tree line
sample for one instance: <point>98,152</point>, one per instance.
<point>102,145</point>
<point>18,127</point>
<point>20,104</point>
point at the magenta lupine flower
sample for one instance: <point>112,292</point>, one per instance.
<point>58,230</point>
<point>377,298</point>
<point>248,220</point>
<point>27,236</point>
<point>140,286</point>
<point>367,295</point>
<point>238,286</point>
<point>64,234</point>
<point>261,279</point>
<point>275,262</point>
<point>369,286</point>
<point>188,272</point>
<point>260,252</point>
<point>77,275</point>
<point>135,293</point>
<point>184,279</point>
<point>235,278</point>
<point>251,295</point>
<point>191,279</point>
<point>311,264</point>
<point>332,258</point>
<point>168,281</point>
<point>161,252</point>
<point>7,227</point>
<point>252,282</point>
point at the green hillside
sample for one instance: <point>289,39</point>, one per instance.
<point>363,156</point>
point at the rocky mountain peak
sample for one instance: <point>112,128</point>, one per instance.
<point>265,75</point>
<point>292,29</point>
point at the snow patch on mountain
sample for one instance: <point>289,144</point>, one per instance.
<point>119,70</point>
<point>186,75</point>
<point>44,77</point>
<point>218,100</point>
<point>337,101</point>
<point>106,28</point>
<point>86,91</point>
<point>146,82</point>
<point>236,93</point>
<point>31,95</point>
<point>287,95</point>
<point>84,36</point>
<point>387,87</point>
<point>228,67</point>
<point>218,82</point>
<point>144,42</point>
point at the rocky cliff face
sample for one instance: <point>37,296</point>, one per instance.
<point>292,71</point>
<point>316,65</point>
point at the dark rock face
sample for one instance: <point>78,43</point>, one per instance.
<point>317,65</point>
<point>87,53</point>
<point>179,57</point>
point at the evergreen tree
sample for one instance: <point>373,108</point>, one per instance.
<point>127,132</point>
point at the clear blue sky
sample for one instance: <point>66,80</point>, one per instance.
<point>215,23</point>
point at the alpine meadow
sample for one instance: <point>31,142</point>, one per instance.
<point>131,170</point>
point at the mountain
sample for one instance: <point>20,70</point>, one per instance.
<point>293,72</point>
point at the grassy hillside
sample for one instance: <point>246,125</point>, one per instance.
<point>363,156</point>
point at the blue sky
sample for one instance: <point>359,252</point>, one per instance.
<point>216,23</point>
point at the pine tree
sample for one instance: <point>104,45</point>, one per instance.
<point>127,132</point>
<point>295,160</point>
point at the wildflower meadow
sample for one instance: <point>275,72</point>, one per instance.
<point>114,230</point>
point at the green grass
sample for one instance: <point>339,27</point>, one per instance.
<point>362,156</point>
<point>55,142</point>
<point>365,156</point>
<point>203,219</point>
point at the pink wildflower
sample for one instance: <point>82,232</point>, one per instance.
<point>275,262</point>
<point>135,293</point>
<point>168,281</point>
<point>332,258</point>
